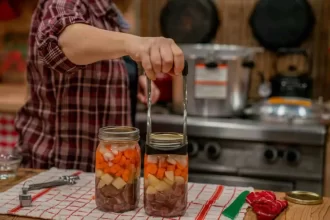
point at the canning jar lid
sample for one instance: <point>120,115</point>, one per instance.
<point>166,140</point>
<point>119,133</point>
<point>304,198</point>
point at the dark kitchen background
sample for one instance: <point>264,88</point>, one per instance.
<point>234,27</point>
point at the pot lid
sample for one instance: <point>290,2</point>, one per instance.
<point>288,109</point>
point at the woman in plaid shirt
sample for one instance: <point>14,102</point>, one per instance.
<point>78,81</point>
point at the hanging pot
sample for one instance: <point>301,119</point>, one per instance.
<point>282,23</point>
<point>190,22</point>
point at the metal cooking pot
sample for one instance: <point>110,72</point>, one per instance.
<point>218,79</point>
<point>290,110</point>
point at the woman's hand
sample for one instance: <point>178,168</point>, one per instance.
<point>157,54</point>
<point>143,91</point>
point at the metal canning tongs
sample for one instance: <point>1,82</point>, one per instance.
<point>185,101</point>
<point>26,199</point>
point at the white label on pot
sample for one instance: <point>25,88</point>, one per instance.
<point>211,83</point>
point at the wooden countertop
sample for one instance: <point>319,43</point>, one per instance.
<point>12,97</point>
<point>293,212</point>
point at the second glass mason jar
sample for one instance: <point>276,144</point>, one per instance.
<point>165,175</point>
<point>117,169</point>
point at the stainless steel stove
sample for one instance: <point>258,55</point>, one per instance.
<point>240,152</point>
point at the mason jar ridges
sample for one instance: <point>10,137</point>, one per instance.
<point>117,172</point>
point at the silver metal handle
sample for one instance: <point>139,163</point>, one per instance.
<point>149,111</point>
<point>47,184</point>
<point>64,180</point>
<point>185,102</point>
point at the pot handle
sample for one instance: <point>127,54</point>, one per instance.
<point>185,97</point>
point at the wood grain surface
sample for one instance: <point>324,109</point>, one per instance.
<point>293,212</point>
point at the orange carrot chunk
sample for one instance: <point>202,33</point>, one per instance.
<point>99,157</point>
<point>152,168</point>
<point>163,164</point>
<point>114,169</point>
<point>117,158</point>
<point>122,161</point>
<point>160,173</point>
<point>126,175</point>
<point>177,172</point>
<point>120,172</point>
<point>170,167</point>
<point>179,166</point>
<point>99,166</point>
<point>184,175</point>
<point>107,170</point>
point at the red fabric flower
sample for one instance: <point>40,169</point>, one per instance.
<point>265,204</point>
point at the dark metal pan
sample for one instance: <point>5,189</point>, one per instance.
<point>282,23</point>
<point>189,21</point>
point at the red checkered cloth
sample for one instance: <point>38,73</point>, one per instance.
<point>58,125</point>
<point>76,202</point>
<point>265,204</point>
<point>8,135</point>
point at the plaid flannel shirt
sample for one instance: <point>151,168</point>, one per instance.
<point>68,103</point>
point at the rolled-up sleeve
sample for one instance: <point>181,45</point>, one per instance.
<point>57,16</point>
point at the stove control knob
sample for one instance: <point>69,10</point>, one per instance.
<point>192,148</point>
<point>212,150</point>
<point>270,154</point>
<point>292,156</point>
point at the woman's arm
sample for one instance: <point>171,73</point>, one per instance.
<point>66,41</point>
<point>94,44</point>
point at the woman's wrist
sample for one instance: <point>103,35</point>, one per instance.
<point>129,42</point>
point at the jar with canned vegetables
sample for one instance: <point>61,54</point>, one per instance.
<point>165,175</point>
<point>117,169</point>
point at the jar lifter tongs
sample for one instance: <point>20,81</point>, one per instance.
<point>185,101</point>
<point>25,198</point>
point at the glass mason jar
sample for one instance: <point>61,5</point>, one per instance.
<point>117,169</point>
<point>165,175</point>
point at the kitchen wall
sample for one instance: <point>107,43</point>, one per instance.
<point>235,29</point>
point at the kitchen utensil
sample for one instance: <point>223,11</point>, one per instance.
<point>304,198</point>
<point>282,23</point>
<point>218,79</point>
<point>288,110</point>
<point>10,161</point>
<point>164,186</point>
<point>233,209</point>
<point>26,199</point>
<point>193,21</point>
<point>184,101</point>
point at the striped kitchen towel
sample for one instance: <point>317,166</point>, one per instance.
<point>205,201</point>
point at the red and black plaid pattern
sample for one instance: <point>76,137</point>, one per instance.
<point>8,135</point>
<point>68,103</point>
